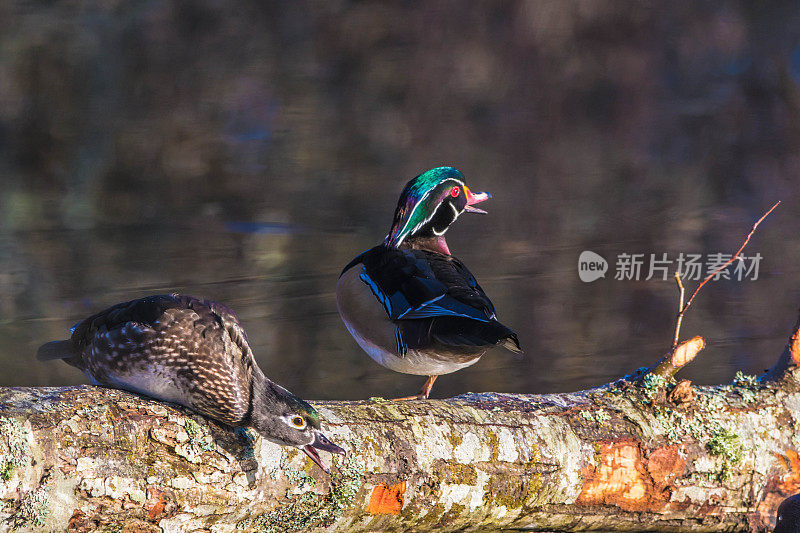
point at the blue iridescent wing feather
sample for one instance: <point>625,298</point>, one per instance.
<point>416,284</point>
<point>432,298</point>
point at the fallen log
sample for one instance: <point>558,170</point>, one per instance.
<point>636,455</point>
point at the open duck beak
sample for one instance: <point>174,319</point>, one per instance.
<point>474,198</point>
<point>321,442</point>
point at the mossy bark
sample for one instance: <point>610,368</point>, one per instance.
<point>86,458</point>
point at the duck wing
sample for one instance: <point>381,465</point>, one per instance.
<point>421,284</point>
<point>172,347</point>
<point>433,299</point>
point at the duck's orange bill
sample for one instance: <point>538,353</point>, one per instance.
<point>474,198</point>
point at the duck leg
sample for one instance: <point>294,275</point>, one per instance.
<point>423,394</point>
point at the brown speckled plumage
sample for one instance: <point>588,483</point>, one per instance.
<point>192,352</point>
<point>198,345</point>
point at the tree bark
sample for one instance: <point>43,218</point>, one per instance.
<point>631,456</point>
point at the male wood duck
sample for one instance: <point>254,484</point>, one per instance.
<point>412,306</point>
<point>194,353</point>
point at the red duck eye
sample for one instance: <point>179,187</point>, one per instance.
<point>455,191</point>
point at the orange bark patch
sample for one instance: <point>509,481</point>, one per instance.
<point>158,508</point>
<point>625,478</point>
<point>664,465</point>
<point>618,479</point>
<point>790,484</point>
<point>79,524</point>
<point>387,499</point>
<point>794,348</point>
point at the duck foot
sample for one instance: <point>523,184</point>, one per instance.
<point>421,395</point>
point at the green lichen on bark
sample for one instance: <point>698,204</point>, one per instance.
<point>14,448</point>
<point>728,446</point>
<point>33,510</point>
<point>311,509</point>
<point>747,386</point>
<point>707,417</point>
<point>598,416</point>
<point>651,385</point>
<point>199,439</point>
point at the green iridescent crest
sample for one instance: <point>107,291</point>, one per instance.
<point>312,415</point>
<point>419,200</point>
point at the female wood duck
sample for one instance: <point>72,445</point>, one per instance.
<point>194,353</point>
<point>412,306</point>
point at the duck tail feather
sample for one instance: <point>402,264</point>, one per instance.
<point>55,350</point>
<point>512,343</point>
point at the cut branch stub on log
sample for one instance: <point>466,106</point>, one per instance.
<point>610,458</point>
<point>683,354</point>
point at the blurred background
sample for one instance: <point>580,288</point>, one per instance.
<point>246,151</point>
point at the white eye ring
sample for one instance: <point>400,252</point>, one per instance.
<point>297,422</point>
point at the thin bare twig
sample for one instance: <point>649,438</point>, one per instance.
<point>732,259</point>
<point>680,311</point>
<point>683,307</point>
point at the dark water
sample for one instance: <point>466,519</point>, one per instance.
<point>245,152</point>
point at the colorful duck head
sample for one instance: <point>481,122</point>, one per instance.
<point>430,203</point>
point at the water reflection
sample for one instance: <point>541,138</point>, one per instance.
<point>281,284</point>
<point>247,153</point>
